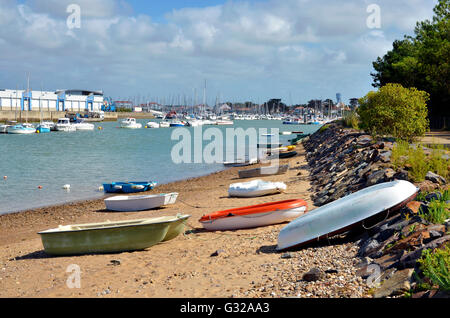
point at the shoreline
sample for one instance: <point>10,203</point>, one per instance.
<point>247,264</point>
<point>102,197</point>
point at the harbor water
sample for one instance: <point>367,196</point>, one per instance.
<point>34,168</point>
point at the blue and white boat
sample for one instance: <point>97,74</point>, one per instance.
<point>291,121</point>
<point>176,123</point>
<point>128,187</point>
<point>43,128</point>
<point>21,129</point>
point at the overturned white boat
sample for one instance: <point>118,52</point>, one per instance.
<point>140,203</point>
<point>255,188</point>
<point>361,208</point>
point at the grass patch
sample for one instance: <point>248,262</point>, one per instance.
<point>438,212</point>
<point>400,153</point>
<point>418,161</point>
<point>323,128</point>
<point>435,265</point>
<point>437,161</point>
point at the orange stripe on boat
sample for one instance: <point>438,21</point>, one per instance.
<point>256,209</point>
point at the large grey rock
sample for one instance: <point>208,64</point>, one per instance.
<point>410,259</point>
<point>399,283</point>
<point>435,178</point>
<point>386,156</point>
<point>368,247</point>
<point>375,178</point>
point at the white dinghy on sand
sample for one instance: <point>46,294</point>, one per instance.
<point>357,209</point>
<point>255,188</point>
<point>140,203</point>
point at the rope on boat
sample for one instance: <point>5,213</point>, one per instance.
<point>369,228</point>
<point>218,236</point>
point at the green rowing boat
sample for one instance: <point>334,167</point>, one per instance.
<point>112,237</point>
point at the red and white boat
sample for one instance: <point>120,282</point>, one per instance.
<point>254,216</point>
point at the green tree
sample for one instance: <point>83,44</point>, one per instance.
<point>395,110</point>
<point>422,61</point>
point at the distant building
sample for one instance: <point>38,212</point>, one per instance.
<point>124,104</point>
<point>354,103</point>
<point>60,100</point>
<point>338,98</point>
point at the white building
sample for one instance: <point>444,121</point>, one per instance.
<point>61,100</point>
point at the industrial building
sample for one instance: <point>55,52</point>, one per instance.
<point>60,100</point>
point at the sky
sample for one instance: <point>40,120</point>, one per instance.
<point>253,50</point>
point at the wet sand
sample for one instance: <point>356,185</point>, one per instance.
<point>246,266</point>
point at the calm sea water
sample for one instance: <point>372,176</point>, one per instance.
<point>86,160</point>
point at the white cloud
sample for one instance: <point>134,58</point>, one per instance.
<point>267,46</point>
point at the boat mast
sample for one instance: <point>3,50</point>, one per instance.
<point>204,98</point>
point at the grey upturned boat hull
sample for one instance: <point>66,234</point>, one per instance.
<point>263,171</point>
<point>367,205</point>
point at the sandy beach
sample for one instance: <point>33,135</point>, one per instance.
<point>246,265</point>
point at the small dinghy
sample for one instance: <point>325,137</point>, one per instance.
<point>241,162</point>
<point>128,187</point>
<point>112,237</point>
<point>254,216</point>
<point>281,155</point>
<point>140,203</point>
<point>361,208</point>
<point>255,188</point>
<point>263,171</point>
<point>269,146</point>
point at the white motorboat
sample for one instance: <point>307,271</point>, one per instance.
<point>194,123</point>
<point>224,122</point>
<point>50,124</point>
<point>255,188</point>
<point>21,129</point>
<point>152,124</point>
<point>357,209</point>
<point>4,128</point>
<point>64,124</point>
<point>164,124</point>
<point>130,123</point>
<point>140,203</point>
<point>82,125</point>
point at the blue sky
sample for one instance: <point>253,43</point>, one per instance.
<point>254,50</point>
<point>157,9</point>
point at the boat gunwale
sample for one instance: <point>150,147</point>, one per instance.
<point>139,197</point>
<point>266,208</point>
<point>57,231</point>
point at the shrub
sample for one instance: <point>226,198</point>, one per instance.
<point>417,159</point>
<point>395,110</point>
<point>351,120</point>
<point>435,265</point>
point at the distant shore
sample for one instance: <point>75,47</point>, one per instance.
<point>35,116</point>
<point>136,115</point>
